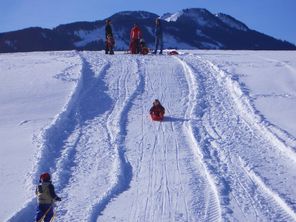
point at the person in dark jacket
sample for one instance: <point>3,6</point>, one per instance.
<point>157,110</point>
<point>158,36</point>
<point>108,34</point>
<point>46,197</point>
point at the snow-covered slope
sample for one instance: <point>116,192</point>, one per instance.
<point>226,150</point>
<point>232,22</point>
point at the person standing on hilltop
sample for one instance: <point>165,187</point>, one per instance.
<point>158,36</point>
<point>135,36</point>
<point>109,40</point>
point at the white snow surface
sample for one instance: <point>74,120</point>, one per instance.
<point>173,17</point>
<point>226,150</point>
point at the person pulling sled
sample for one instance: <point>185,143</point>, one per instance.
<point>46,197</point>
<point>157,111</point>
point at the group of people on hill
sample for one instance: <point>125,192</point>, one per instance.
<point>137,44</point>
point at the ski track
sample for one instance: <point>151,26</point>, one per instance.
<point>209,160</point>
<point>282,135</point>
<point>104,159</point>
<point>229,131</point>
<point>167,179</point>
<point>50,141</point>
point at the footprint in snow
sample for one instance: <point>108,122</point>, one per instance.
<point>23,122</point>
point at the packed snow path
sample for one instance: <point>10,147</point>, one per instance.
<point>211,159</point>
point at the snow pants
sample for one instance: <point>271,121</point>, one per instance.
<point>44,213</point>
<point>158,42</point>
<point>135,46</point>
<point>109,47</point>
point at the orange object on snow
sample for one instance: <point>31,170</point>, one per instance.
<point>174,52</point>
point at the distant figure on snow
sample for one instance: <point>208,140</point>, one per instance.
<point>135,36</point>
<point>143,47</point>
<point>157,111</point>
<point>158,36</point>
<point>110,44</point>
<point>109,38</point>
<point>46,197</point>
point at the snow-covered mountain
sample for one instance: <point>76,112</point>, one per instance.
<point>232,22</point>
<point>226,150</point>
<point>186,29</point>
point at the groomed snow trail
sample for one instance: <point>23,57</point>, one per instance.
<point>169,181</point>
<point>99,169</point>
<point>211,159</point>
<point>242,153</point>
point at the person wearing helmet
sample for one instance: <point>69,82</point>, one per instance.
<point>46,197</point>
<point>157,110</point>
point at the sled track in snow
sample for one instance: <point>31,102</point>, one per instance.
<point>124,168</point>
<point>103,140</point>
<point>214,207</point>
<point>282,135</point>
<point>233,148</point>
<point>267,130</point>
<point>55,154</point>
<point>225,116</point>
<point>210,200</point>
<point>167,178</point>
<point>284,141</point>
<point>62,141</point>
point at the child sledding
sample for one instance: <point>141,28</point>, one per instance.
<point>157,111</point>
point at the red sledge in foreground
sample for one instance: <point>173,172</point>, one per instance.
<point>157,111</point>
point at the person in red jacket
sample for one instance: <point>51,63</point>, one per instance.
<point>157,111</point>
<point>135,36</point>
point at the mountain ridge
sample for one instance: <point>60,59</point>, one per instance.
<point>192,28</point>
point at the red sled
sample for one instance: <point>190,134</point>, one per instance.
<point>157,117</point>
<point>174,52</point>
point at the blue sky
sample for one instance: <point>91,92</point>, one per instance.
<point>272,17</point>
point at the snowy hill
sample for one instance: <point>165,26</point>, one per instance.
<point>192,28</point>
<point>232,22</point>
<point>226,150</point>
